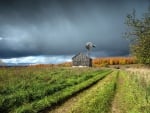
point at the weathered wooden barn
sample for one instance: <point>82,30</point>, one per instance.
<point>81,60</point>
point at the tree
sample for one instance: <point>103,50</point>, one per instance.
<point>139,36</point>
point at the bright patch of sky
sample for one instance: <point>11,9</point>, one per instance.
<point>1,38</point>
<point>39,59</point>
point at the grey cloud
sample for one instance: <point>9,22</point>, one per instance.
<point>62,27</point>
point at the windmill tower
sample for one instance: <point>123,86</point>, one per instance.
<point>89,46</point>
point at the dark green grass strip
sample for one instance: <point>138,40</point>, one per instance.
<point>59,96</point>
<point>28,80</point>
<point>39,91</point>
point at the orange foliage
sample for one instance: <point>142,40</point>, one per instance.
<point>113,61</point>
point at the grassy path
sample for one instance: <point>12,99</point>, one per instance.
<point>117,93</point>
<point>131,96</point>
<point>115,105</point>
<point>86,101</point>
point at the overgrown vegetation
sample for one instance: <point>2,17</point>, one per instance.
<point>139,36</point>
<point>133,94</point>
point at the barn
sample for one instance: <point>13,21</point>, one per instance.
<point>81,60</point>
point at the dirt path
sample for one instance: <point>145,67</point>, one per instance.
<point>67,106</point>
<point>115,104</point>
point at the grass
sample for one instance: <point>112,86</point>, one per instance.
<point>48,101</point>
<point>131,95</point>
<point>99,99</point>
<point>122,92</point>
<point>33,89</point>
<point>28,87</point>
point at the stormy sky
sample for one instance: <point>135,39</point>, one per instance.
<point>52,31</point>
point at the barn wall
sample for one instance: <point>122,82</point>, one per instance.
<point>82,60</point>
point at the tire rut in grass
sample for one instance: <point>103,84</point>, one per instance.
<point>60,96</point>
<point>115,105</point>
<point>64,106</point>
<point>68,106</point>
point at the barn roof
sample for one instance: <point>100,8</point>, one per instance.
<point>81,54</point>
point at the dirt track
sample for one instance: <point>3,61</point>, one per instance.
<point>67,106</point>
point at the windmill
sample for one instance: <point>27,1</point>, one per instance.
<point>89,46</point>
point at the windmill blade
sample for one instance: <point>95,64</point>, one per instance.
<point>94,46</point>
<point>89,45</point>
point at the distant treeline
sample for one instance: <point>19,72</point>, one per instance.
<point>97,62</point>
<point>114,61</point>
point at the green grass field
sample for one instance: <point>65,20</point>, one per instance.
<point>79,90</point>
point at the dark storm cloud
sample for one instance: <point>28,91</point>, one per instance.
<point>58,27</point>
